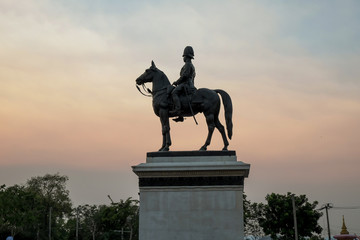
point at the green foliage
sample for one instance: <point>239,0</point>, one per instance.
<point>316,237</point>
<point>25,213</point>
<point>106,221</point>
<point>120,214</point>
<point>278,219</point>
<point>24,210</point>
<point>53,192</point>
<point>252,213</point>
<point>53,197</point>
<point>89,220</point>
<point>19,208</point>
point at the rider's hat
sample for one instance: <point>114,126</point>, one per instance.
<point>189,52</point>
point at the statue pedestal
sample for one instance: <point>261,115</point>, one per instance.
<point>195,195</point>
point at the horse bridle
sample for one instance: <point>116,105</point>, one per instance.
<point>148,92</point>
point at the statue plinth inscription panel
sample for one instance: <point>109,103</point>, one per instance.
<point>191,195</point>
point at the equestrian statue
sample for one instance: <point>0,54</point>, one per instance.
<point>181,99</point>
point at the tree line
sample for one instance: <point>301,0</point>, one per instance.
<point>42,209</point>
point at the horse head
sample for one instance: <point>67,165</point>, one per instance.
<point>154,75</point>
<point>148,75</point>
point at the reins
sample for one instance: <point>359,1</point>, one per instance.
<point>148,92</point>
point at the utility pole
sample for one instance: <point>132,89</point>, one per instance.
<point>50,223</point>
<point>326,207</point>
<point>294,213</point>
<point>77,223</point>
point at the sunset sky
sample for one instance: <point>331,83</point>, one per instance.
<point>68,101</point>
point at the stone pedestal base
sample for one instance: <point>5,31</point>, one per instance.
<point>191,195</point>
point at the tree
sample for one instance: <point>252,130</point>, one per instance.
<point>252,213</point>
<point>278,219</point>
<point>11,216</point>
<point>85,219</point>
<point>119,220</point>
<point>123,215</point>
<point>90,220</point>
<point>25,212</point>
<point>18,211</point>
<point>54,199</point>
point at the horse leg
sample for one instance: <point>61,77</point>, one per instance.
<point>164,118</point>
<point>221,129</point>
<point>166,136</point>
<point>163,139</point>
<point>211,127</point>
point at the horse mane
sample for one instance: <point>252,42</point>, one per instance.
<point>163,75</point>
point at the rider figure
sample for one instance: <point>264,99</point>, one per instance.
<point>185,84</point>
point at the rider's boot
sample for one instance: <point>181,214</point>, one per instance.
<point>179,119</point>
<point>177,106</point>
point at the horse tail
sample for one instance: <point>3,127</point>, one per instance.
<point>228,110</point>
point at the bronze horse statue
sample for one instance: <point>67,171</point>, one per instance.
<point>203,100</point>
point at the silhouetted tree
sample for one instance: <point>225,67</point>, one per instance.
<point>120,215</point>
<point>252,213</point>
<point>53,197</point>
<point>278,219</point>
<point>19,208</point>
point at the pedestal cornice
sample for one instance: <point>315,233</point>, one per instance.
<point>191,167</point>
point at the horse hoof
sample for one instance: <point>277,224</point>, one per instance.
<point>164,149</point>
<point>203,148</point>
<point>225,149</point>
